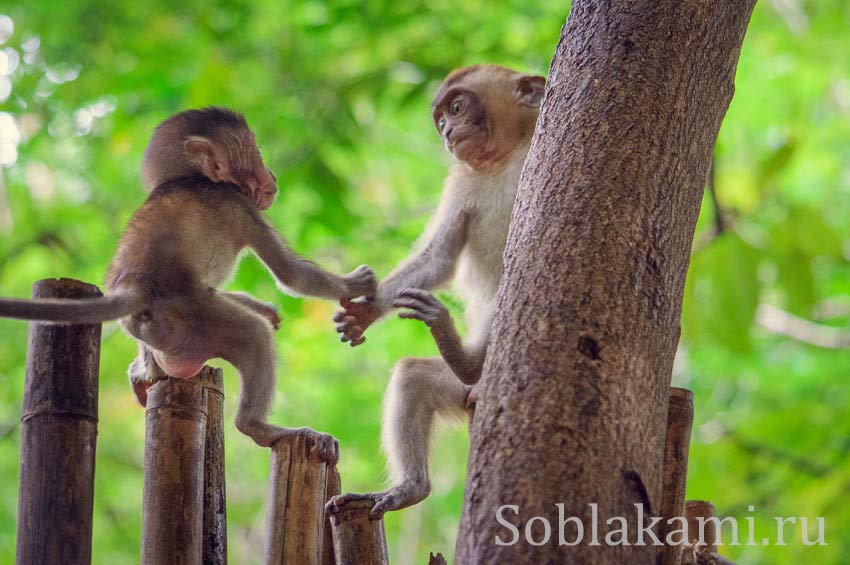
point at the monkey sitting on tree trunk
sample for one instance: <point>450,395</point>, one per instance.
<point>485,115</point>
<point>208,185</point>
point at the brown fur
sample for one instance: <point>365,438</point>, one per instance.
<point>180,246</point>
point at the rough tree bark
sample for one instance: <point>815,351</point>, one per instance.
<point>576,383</point>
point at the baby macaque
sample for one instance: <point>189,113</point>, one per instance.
<point>207,184</point>
<point>486,116</point>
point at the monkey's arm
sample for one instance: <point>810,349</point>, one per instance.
<point>433,265</point>
<point>304,277</point>
<point>427,269</point>
<point>466,361</point>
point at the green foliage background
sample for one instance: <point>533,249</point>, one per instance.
<point>338,93</point>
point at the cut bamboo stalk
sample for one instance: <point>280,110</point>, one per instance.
<point>58,435</point>
<point>680,417</point>
<point>357,539</point>
<point>215,500</point>
<point>334,487</point>
<point>173,494</point>
<point>296,499</point>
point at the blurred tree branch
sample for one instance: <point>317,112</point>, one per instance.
<point>778,321</point>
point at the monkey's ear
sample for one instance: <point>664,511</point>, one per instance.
<point>202,152</point>
<point>529,90</point>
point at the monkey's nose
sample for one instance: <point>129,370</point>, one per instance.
<point>448,134</point>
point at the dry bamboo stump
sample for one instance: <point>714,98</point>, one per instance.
<point>183,514</point>
<point>298,490</point>
<point>58,435</point>
<point>357,539</point>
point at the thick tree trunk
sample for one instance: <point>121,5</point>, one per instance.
<point>576,382</point>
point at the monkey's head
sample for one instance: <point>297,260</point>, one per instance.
<point>484,112</point>
<point>215,142</point>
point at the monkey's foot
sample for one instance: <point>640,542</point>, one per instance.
<point>396,498</point>
<point>269,312</point>
<point>140,380</point>
<point>325,448</point>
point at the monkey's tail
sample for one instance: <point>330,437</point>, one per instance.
<point>71,311</point>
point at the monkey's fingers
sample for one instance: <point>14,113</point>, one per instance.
<point>345,322</point>
<point>357,341</point>
<point>413,303</point>
<point>350,333</point>
<point>340,500</point>
<point>418,294</point>
<point>414,315</point>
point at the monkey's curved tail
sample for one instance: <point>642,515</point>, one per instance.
<point>71,311</point>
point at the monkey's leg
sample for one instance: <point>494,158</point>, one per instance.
<point>264,309</point>
<point>244,339</point>
<point>143,372</point>
<point>419,389</point>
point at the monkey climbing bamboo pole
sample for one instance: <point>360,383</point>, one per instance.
<point>298,490</point>
<point>58,435</point>
<point>178,477</point>
<point>357,539</point>
<point>680,417</point>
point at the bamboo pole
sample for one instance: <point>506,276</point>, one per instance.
<point>215,500</point>
<point>295,511</point>
<point>334,487</point>
<point>680,417</point>
<point>357,539</point>
<point>58,435</point>
<point>694,510</point>
<point>173,497</point>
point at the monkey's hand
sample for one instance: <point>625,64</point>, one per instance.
<point>424,307</point>
<point>354,318</point>
<point>360,282</point>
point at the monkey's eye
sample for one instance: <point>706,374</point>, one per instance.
<point>456,107</point>
<point>441,123</point>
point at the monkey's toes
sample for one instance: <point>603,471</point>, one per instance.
<point>140,389</point>
<point>325,449</point>
<point>336,503</point>
<point>383,504</point>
